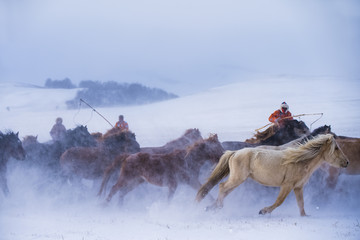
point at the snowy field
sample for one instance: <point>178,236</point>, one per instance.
<point>39,209</point>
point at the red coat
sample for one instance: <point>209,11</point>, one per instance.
<point>279,115</point>
<point>122,125</point>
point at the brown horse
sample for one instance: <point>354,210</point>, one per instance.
<point>10,146</point>
<point>90,162</point>
<point>187,139</point>
<point>180,166</point>
<point>290,169</point>
<point>351,149</point>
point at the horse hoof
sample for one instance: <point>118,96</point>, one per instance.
<point>212,208</point>
<point>262,212</point>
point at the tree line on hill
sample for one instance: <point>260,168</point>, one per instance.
<point>105,94</point>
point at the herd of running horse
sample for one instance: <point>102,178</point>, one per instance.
<point>286,158</point>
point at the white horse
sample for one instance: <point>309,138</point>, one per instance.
<point>289,169</point>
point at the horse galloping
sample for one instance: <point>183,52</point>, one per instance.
<point>275,135</point>
<point>301,132</point>
<point>187,139</point>
<point>10,146</point>
<point>90,162</point>
<point>289,169</point>
<point>180,166</point>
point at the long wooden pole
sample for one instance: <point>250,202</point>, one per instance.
<point>96,111</point>
<point>299,115</point>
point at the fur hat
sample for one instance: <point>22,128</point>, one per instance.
<point>284,105</point>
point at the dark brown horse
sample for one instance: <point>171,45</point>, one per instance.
<point>90,162</point>
<point>351,149</point>
<point>180,166</point>
<point>275,136</point>
<point>301,129</point>
<point>10,146</point>
<point>187,139</point>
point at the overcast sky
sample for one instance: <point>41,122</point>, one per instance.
<point>179,45</point>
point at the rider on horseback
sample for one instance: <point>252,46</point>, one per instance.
<point>279,116</point>
<point>58,131</point>
<point>121,124</point>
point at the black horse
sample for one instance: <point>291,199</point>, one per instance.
<point>46,156</point>
<point>10,146</point>
<point>296,130</point>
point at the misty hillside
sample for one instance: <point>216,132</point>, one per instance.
<point>107,94</point>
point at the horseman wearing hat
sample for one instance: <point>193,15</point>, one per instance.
<point>279,116</point>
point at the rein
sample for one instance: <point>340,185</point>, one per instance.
<point>299,115</point>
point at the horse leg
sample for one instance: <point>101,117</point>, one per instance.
<point>124,185</point>
<point>331,180</point>
<point>4,186</point>
<point>284,191</point>
<point>172,188</point>
<point>299,194</point>
<point>227,187</point>
<point>195,184</point>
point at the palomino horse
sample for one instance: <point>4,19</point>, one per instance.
<point>180,166</point>
<point>90,162</point>
<point>288,169</point>
<point>351,149</point>
<point>10,146</point>
<point>187,139</point>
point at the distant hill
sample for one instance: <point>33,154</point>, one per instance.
<point>106,94</point>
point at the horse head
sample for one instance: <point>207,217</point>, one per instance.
<point>79,137</point>
<point>204,150</point>
<point>12,145</point>
<point>121,142</point>
<point>193,134</point>
<point>30,141</point>
<point>335,156</point>
<point>321,130</point>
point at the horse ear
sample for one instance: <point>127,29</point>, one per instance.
<point>36,137</point>
<point>17,134</point>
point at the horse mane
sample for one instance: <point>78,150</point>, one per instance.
<point>261,136</point>
<point>310,149</point>
<point>8,135</point>
<point>213,138</point>
<point>321,129</point>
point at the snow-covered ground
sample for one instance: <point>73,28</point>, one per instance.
<point>39,209</point>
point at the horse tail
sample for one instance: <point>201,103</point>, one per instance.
<point>221,170</point>
<point>115,165</point>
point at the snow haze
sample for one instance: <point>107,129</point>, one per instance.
<point>38,208</point>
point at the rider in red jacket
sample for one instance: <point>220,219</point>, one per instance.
<point>121,124</point>
<point>281,114</point>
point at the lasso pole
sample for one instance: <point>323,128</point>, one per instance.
<point>299,115</point>
<point>96,111</point>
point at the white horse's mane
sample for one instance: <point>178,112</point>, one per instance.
<point>310,149</point>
